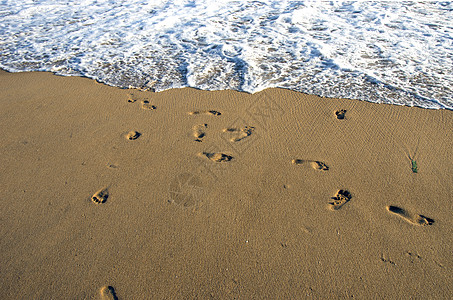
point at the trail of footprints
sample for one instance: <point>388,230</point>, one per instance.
<point>237,135</point>
<point>199,132</point>
<point>144,103</point>
<point>344,196</point>
<point>341,197</point>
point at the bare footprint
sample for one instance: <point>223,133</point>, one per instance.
<point>100,196</point>
<point>242,133</point>
<point>315,164</point>
<point>217,156</point>
<point>133,135</point>
<point>410,217</point>
<point>199,132</point>
<point>146,105</point>
<point>340,114</point>
<point>341,198</point>
<point>131,99</point>
<point>108,293</point>
<point>205,112</point>
<point>318,165</point>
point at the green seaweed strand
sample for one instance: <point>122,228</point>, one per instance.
<point>414,166</point>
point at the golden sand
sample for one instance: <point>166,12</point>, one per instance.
<point>110,193</point>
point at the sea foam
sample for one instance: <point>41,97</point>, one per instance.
<point>386,52</point>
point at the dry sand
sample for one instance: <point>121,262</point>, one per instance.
<point>115,193</point>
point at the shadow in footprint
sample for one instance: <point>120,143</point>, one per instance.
<point>217,156</point>
<point>100,196</point>
<point>340,114</point>
<point>133,135</point>
<point>341,198</point>
<point>410,217</point>
<point>205,112</point>
<point>199,132</point>
<point>131,98</point>
<point>242,133</point>
<point>108,293</point>
<point>146,105</point>
<point>315,164</point>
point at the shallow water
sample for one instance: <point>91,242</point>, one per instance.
<point>387,52</point>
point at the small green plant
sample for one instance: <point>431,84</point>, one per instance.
<point>414,166</point>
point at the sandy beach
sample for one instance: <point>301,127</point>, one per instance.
<point>109,193</point>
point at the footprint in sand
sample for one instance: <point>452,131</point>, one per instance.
<point>340,114</point>
<point>100,196</point>
<point>199,132</point>
<point>133,135</point>
<point>205,112</point>
<point>410,217</point>
<point>108,293</point>
<point>131,99</point>
<point>386,259</point>
<point>146,105</point>
<point>317,165</point>
<point>241,133</point>
<point>341,198</point>
<point>217,156</point>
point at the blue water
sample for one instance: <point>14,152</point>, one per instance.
<point>386,52</point>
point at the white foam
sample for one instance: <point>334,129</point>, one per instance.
<point>388,52</point>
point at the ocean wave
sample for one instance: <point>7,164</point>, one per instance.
<point>385,52</point>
